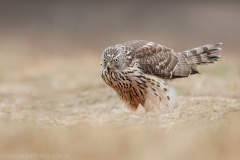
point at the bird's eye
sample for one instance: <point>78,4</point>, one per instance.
<point>104,60</point>
<point>116,60</point>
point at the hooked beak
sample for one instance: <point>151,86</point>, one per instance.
<point>108,66</point>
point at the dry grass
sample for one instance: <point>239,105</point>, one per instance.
<point>55,105</point>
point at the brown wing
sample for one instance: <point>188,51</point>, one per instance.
<point>159,60</point>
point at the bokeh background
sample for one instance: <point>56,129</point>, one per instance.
<point>74,27</point>
<point>53,100</point>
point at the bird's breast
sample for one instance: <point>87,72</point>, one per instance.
<point>122,80</point>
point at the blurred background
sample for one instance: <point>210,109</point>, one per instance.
<point>53,100</point>
<point>73,27</point>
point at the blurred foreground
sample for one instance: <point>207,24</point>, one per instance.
<point>54,104</point>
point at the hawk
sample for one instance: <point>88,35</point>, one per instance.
<point>139,71</point>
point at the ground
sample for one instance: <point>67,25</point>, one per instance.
<point>60,105</point>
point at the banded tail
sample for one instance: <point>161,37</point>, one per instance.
<point>189,59</point>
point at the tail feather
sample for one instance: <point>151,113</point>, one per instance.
<point>189,59</point>
<point>203,55</point>
<point>206,54</point>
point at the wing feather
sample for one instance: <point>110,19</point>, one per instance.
<point>156,59</point>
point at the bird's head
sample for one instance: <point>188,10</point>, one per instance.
<point>112,59</point>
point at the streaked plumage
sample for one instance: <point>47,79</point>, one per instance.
<point>139,71</point>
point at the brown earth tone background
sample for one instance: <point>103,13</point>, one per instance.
<point>53,101</point>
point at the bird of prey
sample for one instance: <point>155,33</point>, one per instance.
<point>139,71</point>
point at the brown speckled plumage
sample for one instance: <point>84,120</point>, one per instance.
<point>138,71</point>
